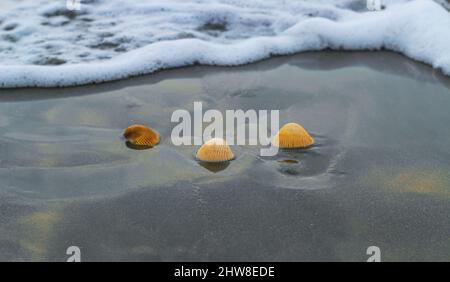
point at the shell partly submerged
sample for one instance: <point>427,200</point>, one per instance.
<point>292,136</point>
<point>141,135</point>
<point>215,150</point>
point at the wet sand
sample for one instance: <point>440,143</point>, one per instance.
<point>379,173</point>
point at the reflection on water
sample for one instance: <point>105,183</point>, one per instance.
<point>421,180</point>
<point>214,167</point>
<point>137,147</point>
<point>378,174</point>
<point>38,231</point>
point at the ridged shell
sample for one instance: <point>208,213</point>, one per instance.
<point>141,135</point>
<point>215,150</point>
<point>292,136</point>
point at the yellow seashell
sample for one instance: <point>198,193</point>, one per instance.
<point>215,150</point>
<point>141,135</point>
<point>292,136</point>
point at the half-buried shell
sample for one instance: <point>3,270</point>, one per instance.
<point>292,136</point>
<point>214,151</point>
<point>141,135</point>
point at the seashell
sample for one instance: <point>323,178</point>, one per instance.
<point>141,135</point>
<point>292,136</point>
<point>215,150</point>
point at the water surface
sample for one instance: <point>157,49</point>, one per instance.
<point>379,173</point>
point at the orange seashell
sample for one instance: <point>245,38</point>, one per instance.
<point>292,136</point>
<point>141,135</point>
<point>215,150</point>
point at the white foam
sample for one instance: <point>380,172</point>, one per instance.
<point>110,40</point>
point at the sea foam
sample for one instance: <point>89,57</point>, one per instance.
<point>42,44</point>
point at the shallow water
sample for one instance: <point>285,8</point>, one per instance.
<point>379,173</point>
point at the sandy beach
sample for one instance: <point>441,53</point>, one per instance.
<point>379,171</point>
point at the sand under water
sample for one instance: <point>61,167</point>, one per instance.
<point>379,173</point>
